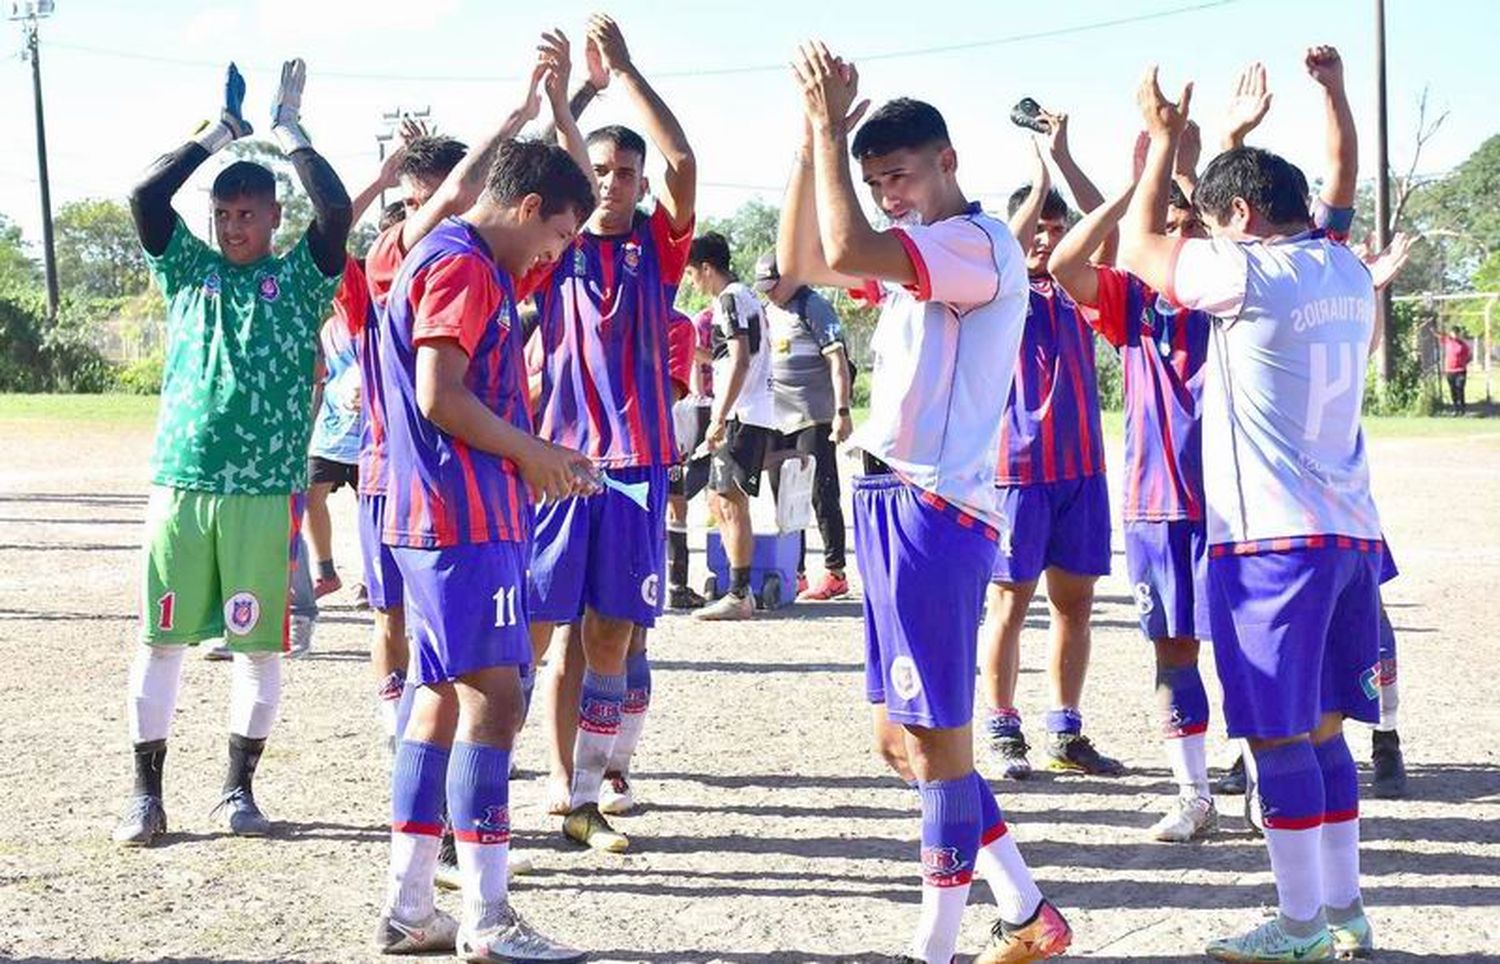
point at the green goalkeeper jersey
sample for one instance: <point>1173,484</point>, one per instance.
<point>242,344</point>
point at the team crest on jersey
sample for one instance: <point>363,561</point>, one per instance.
<point>941,863</point>
<point>241,613</point>
<point>632,257</point>
<point>270,288</point>
<point>212,285</point>
<point>580,263</point>
<point>904,678</point>
<point>651,589</point>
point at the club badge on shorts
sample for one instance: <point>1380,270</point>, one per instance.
<point>904,679</point>
<point>241,613</point>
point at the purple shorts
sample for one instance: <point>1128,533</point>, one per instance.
<point>1062,524</point>
<point>466,608</point>
<point>925,567</point>
<point>1167,564</point>
<point>603,552</point>
<point>382,578</point>
<point>1296,635</point>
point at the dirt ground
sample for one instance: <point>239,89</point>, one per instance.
<point>768,831</point>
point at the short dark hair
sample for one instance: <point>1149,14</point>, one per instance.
<point>534,167</point>
<point>431,157</point>
<point>1053,205</point>
<point>623,138</point>
<point>244,179</point>
<point>393,213</point>
<point>1176,199</point>
<point>712,249</point>
<point>1271,185</point>
<point>900,124</point>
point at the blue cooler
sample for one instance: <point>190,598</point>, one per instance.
<point>773,568</point>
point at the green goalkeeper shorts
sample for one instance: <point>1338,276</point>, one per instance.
<point>219,565</point>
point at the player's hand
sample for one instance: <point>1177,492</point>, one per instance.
<point>1326,67</point>
<point>552,472</point>
<point>1138,156</point>
<point>610,41</point>
<point>593,59</point>
<point>286,109</point>
<point>830,87</point>
<point>1247,105</point>
<point>233,114</point>
<point>390,168</point>
<point>1057,133</point>
<point>1163,118</point>
<point>843,427</point>
<point>1189,151</point>
<point>717,430</point>
<point>556,55</point>
<point>1386,265</point>
<point>532,105</point>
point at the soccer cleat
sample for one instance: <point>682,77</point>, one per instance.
<point>218,652</point>
<point>586,825</point>
<point>1389,779</point>
<point>1010,753</point>
<point>1046,935</point>
<point>615,797</point>
<point>1271,942</point>
<point>727,608</point>
<point>507,937</point>
<point>322,587</point>
<point>1189,819</point>
<point>241,816</point>
<point>833,585</point>
<point>446,874</point>
<point>1352,938</point>
<point>801,584</point>
<point>144,820</point>
<point>361,596</point>
<point>1232,783</point>
<point>684,600</point>
<point>299,639</point>
<point>439,932</point>
<point>1074,753</point>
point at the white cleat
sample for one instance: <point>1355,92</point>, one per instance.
<point>727,608</point>
<point>616,797</point>
<point>507,937</point>
<point>1189,819</point>
<point>438,932</point>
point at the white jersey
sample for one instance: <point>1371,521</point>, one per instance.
<point>1283,453</point>
<point>739,314</point>
<point>944,355</point>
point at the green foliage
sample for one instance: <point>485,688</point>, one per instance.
<point>361,237</point>
<point>859,394</point>
<point>42,355</point>
<point>142,377</point>
<point>1410,391</point>
<point>98,255</point>
<point>17,269</point>
<point>1111,376</point>
<point>751,231</point>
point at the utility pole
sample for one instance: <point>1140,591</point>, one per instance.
<point>28,12</point>
<point>1383,226</point>
<point>391,121</point>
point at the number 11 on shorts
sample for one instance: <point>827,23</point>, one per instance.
<point>505,607</point>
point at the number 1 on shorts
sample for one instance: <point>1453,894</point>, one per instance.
<point>164,607</point>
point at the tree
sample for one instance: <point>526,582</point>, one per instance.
<point>751,231</point>
<point>17,270</point>
<point>98,255</point>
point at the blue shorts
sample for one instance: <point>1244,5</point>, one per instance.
<point>1062,524</point>
<point>1167,564</point>
<point>466,608</point>
<point>1296,635</point>
<point>925,567</point>
<point>603,552</point>
<point>382,579</point>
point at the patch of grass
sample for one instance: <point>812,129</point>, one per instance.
<point>94,409</point>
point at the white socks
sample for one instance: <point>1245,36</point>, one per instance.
<point>155,677</point>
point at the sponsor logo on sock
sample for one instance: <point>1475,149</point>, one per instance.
<point>241,613</point>
<point>904,678</point>
<point>493,826</point>
<point>599,716</point>
<point>941,867</point>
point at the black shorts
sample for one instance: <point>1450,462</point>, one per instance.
<point>689,477</point>
<point>334,473</point>
<point>739,461</point>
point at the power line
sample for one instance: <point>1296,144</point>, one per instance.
<point>690,72</point>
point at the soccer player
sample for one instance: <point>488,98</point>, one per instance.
<point>953,292</point>
<point>463,467</point>
<point>1294,536</point>
<point>605,390</point>
<point>691,415</point>
<point>1052,490</point>
<point>812,382</point>
<point>230,453</point>
<point>740,425</point>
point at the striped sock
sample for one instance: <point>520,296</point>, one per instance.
<point>479,806</point>
<point>416,828</point>
<point>1000,862</point>
<point>1291,798</point>
<point>632,711</point>
<point>950,842</point>
<point>598,726</point>
<point>1340,836</point>
<point>1184,723</point>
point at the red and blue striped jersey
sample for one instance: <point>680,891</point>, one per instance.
<point>603,311</point>
<point>381,265</point>
<point>440,492</point>
<point>1050,430</point>
<point>1162,350</point>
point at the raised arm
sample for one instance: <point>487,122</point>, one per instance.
<point>151,199</point>
<point>1327,68</point>
<point>593,85</point>
<point>1023,223</point>
<point>853,248</point>
<point>1247,106</point>
<point>332,210</point>
<point>799,248</point>
<point>1070,264</point>
<point>679,196</point>
<point>385,179</point>
<point>1085,194</point>
<point>1144,244</point>
<point>1185,165</point>
<point>556,56</point>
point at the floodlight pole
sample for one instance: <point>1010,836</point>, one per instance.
<point>1383,226</point>
<point>49,251</point>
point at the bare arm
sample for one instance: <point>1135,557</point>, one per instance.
<point>385,179</point>
<point>557,56</point>
<point>1247,106</point>
<point>799,249</point>
<point>843,392</point>
<point>1144,244</point>
<point>1022,224</point>
<point>1327,68</point>
<point>1085,194</point>
<point>679,196</point>
<point>1070,266</point>
<point>1185,167</point>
